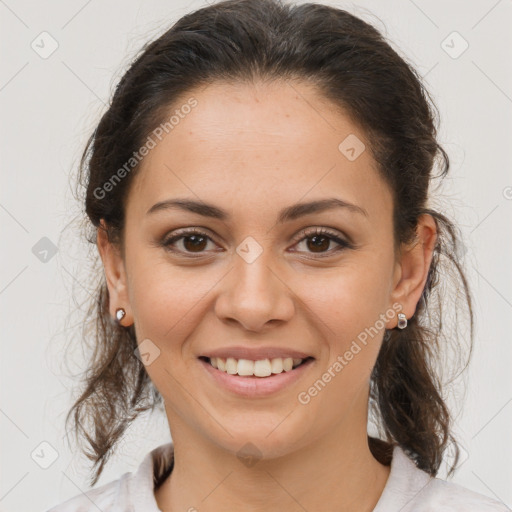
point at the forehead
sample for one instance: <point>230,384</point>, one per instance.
<point>259,145</point>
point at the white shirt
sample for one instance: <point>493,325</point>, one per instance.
<point>408,489</point>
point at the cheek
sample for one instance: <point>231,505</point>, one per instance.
<point>167,301</point>
<point>346,304</point>
<point>356,289</point>
<point>168,305</point>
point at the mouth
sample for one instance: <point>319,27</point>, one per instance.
<point>255,379</point>
<point>261,369</point>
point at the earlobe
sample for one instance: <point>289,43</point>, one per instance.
<point>115,274</point>
<point>414,266</point>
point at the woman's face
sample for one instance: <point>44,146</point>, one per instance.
<point>259,279</point>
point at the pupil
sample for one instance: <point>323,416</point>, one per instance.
<point>320,245</point>
<point>196,241</point>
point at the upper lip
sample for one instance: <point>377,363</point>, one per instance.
<point>255,354</point>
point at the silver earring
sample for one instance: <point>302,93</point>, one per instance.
<point>402,321</point>
<point>120,313</point>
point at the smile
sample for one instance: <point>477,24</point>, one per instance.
<point>260,368</point>
<point>254,379</point>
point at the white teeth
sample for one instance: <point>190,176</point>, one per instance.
<point>277,365</point>
<point>260,368</point>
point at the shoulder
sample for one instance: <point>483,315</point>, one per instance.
<point>443,496</point>
<point>132,491</point>
<point>410,489</point>
<point>106,498</point>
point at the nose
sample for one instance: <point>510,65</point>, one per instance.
<point>255,294</point>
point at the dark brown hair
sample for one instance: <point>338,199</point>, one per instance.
<point>356,69</point>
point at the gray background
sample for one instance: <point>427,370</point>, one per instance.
<point>50,105</point>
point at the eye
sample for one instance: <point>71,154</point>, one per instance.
<point>321,239</point>
<point>193,241</point>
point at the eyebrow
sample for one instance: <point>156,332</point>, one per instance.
<point>287,214</point>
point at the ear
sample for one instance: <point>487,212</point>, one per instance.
<point>412,270</point>
<point>115,274</point>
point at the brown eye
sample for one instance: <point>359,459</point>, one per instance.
<point>318,241</point>
<point>192,241</point>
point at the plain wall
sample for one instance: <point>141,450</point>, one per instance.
<point>49,106</point>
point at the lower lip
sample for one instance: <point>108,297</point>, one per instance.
<point>255,387</point>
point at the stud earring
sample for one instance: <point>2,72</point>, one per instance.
<point>120,313</point>
<point>402,321</point>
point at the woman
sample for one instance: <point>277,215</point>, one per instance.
<point>258,191</point>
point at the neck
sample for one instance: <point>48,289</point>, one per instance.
<point>336,472</point>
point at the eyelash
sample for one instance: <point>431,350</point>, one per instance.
<point>303,235</point>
